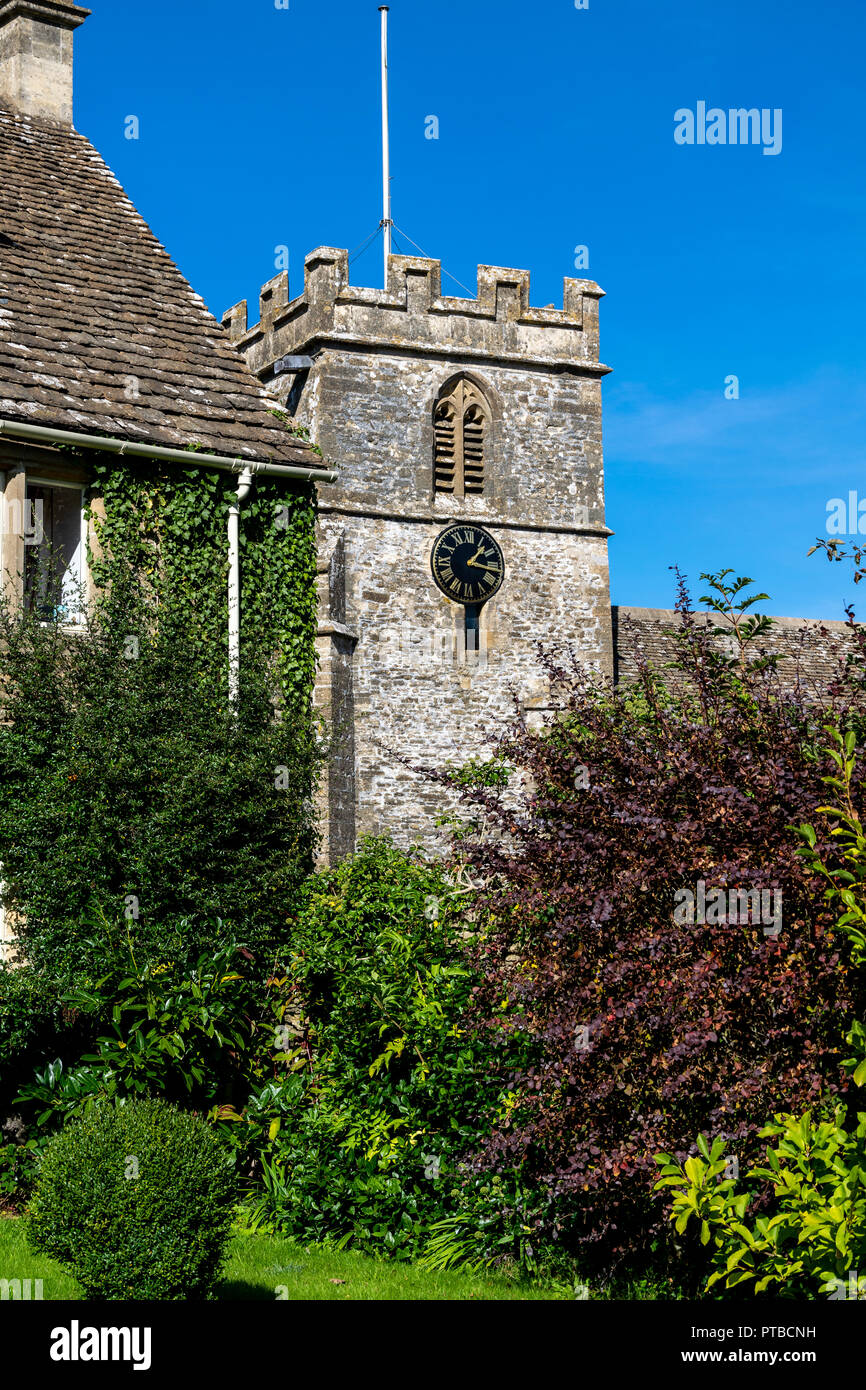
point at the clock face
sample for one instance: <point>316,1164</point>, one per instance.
<point>467,564</point>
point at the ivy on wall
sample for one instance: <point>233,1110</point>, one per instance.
<point>132,794</point>
<point>168,526</point>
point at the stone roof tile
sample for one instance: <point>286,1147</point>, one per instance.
<point>89,299</point>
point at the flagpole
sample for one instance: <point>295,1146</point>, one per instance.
<point>387,224</point>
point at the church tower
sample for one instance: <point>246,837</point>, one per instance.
<point>467,524</point>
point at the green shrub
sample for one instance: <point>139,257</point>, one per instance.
<point>129,784</point>
<point>136,1202</point>
<point>814,1230</point>
<point>177,1033</point>
<point>18,1169</point>
<point>384,1090</point>
<point>36,1026</point>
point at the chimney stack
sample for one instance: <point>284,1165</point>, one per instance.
<point>36,57</point>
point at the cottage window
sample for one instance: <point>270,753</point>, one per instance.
<point>53,527</point>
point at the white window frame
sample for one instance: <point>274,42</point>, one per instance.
<point>79,620</point>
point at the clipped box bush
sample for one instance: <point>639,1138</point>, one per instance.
<point>136,1202</point>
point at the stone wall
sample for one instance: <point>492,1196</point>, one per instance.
<point>813,651</point>
<point>418,694</point>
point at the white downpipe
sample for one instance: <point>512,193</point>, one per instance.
<point>245,482</point>
<point>4,522</point>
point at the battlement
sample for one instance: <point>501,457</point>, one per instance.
<point>413,314</point>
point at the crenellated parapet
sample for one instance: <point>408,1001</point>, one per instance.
<point>413,315</point>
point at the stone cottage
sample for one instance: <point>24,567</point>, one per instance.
<point>104,347</point>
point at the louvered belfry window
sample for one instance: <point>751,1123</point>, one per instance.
<point>461,430</point>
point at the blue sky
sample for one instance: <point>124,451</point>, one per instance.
<point>259,127</point>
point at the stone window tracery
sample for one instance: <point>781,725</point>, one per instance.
<point>461,432</point>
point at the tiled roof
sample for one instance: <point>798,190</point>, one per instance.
<point>99,331</point>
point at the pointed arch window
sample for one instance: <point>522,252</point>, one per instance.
<point>461,432</point>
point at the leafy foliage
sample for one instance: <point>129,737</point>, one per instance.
<point>846,879</point>
<point>130,786</point>
<point>846,873</point>
<point>128,781</point>
<point>171,1031</point>
<point>35,1027</point>
<point>136,1202</point>
<point>642,1030</point>
<point>815,1229</point>
<point>19,1165</point>
<point>386,1090</point>
<point>165,528</point>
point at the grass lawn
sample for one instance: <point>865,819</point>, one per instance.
<point>259,1265</point>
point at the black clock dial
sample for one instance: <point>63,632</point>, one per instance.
<point>467,564</point>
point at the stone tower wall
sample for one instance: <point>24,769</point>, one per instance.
<point>366,368</point>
